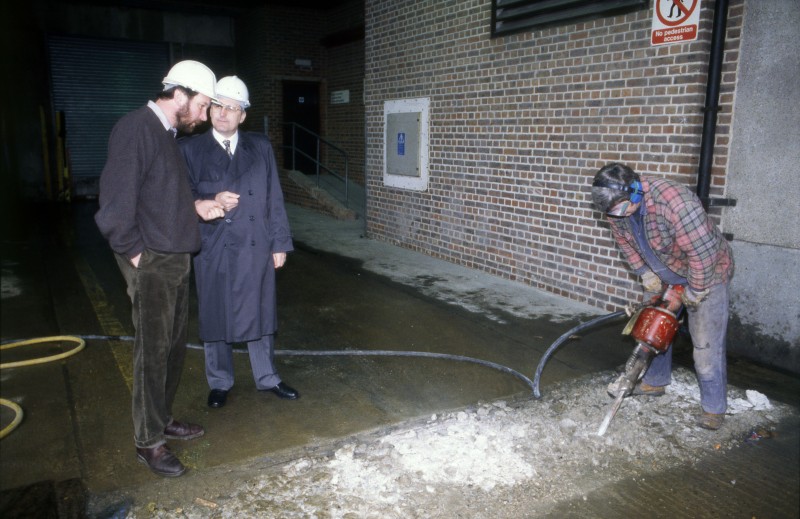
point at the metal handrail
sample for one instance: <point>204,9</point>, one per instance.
<point>317,160</point>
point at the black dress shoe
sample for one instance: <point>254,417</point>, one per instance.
<point>217,398</point>
<point>161,461</point>
<point>283,391</point>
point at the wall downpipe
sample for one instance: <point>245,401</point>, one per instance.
<point>712,100</point>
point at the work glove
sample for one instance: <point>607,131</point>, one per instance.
<point>651,282</point>
<point>691,298</point>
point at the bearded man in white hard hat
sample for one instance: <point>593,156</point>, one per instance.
<point>148,215</point>
<point>235,268</point>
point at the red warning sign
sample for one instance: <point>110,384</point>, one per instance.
<point>675,21</point>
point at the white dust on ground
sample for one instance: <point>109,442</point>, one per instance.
<point>493,459</point>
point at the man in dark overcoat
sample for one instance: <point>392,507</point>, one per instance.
<point>235,268</point>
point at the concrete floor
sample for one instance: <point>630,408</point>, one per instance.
<point>338,291</point>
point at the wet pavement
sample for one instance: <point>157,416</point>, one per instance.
<point>338,292</point>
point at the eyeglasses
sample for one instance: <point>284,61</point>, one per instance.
<point>226,108</point>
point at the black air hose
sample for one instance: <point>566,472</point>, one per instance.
<point>562,339</point>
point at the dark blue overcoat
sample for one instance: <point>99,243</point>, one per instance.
<point>234,269</point>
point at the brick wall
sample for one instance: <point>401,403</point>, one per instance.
<point>344,70</point>
<point>269,39</point>
<point>520,124</point>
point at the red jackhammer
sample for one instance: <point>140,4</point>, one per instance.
<point>653,327</point>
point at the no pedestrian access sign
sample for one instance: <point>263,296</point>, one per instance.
<point>675,21</point>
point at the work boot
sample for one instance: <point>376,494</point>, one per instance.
<point>710,421</point>
<point>643,389</point>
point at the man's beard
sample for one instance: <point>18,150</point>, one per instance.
<point>184,125</point>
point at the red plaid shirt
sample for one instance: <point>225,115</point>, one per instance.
<point>680,233</point>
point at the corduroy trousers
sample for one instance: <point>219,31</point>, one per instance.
<point>159,292</point>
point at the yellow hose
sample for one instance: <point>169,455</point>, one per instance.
<point>17,417</point>
<point>41,360</point>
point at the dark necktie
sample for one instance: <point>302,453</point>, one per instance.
<point>227,144</point>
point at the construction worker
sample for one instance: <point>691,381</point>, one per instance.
<point>666,237</point>
<point>147,214</point>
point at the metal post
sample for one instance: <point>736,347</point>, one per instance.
<point>294,147</point>
<point>317,162</point>
<point>346,182</point>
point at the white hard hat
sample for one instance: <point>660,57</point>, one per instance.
<point>234,88</point>
<point>192,75</point>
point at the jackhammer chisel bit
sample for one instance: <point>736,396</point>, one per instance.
<point>637,364</point>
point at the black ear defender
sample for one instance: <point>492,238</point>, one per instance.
<point>634,189</point>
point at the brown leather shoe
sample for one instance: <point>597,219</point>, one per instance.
<point>161,461</point>
<point>183,431</point>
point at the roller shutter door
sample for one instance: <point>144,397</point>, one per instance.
<point>94,83</point>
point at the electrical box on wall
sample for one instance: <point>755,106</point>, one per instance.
<point>402,144</point>
<point>406,144</point>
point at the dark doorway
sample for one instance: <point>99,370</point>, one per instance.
<point>300,106</point>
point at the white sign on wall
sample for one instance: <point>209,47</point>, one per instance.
<point>675,21</point>
<point>340,97</point>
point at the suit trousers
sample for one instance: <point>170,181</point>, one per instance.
<point>159,293</point>
<point>219,363</point>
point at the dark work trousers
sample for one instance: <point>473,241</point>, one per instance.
<point>159,291</point>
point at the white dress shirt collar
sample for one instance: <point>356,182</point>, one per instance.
<point>219,138</point>
<point>160,114</point>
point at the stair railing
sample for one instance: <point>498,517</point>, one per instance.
<point>317,160</point>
